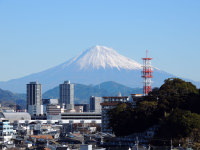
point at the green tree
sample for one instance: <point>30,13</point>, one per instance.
<point>173,94</point>
<point>179,124</point>
<point>173,106</point>
<point>120,119</point>
<point>125,120</point>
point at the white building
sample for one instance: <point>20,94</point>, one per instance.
<point>6,132</point>
<point>110,103</point>
<point>95,104</point>
<point>34,98</point>
<point>67,95</point>
<point>15,116</point>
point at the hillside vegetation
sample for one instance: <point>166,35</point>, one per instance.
<point>174,108</point>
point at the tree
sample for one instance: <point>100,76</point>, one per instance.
<point>173,94</point>
<point>125,120</point>
<point>179,124</point>
<point>120,119</point>
<point>176,86</point>
<point>173,106</point>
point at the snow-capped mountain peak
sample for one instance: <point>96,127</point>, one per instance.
<point>93,66</point>
<point>103,57</point>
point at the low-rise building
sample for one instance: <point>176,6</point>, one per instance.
<point>15,116</point>
<point>53,111</point>
<point>46,102</point>
<point>6,132</point>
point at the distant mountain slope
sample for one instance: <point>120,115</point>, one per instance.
<point>93,66</point>
<point>7,97</point>
<point>83,92</point>
<point>113,88</point>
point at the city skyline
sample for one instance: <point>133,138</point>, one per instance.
<point>36,36</point>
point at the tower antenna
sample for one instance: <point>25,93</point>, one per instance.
<point>147,53</point>
<point>147,74</point>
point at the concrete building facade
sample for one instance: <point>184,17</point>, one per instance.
<point>47,102</point>
<point>67,95</point>
<point>53,111</point>
<point>95,104</point>
<point>34,98</point>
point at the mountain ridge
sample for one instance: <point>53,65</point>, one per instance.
<point>93,66</point>
<point>83,92</point>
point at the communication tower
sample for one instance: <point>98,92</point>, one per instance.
<point>147,74</point>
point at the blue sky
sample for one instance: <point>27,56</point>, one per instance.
<point>39,34</point>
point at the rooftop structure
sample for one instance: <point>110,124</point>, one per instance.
<point>12,116</point>
<point>49,101</point>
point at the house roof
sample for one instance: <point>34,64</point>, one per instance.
<point>49,137</point>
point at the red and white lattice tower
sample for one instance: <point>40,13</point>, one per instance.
<point>147,74</point>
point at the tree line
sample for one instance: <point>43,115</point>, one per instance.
<point>174,108</point>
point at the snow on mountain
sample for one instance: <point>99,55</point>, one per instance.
<point>103,57</point>
<point>93,66</point>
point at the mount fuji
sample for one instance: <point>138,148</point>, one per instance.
<point>93,66</point>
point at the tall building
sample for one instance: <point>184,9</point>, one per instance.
<point>67,95</point>
<point>110,103</point>
<point>34,98</point>
<point>95,104</point>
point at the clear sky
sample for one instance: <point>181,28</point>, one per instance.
<point>39,34</point>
